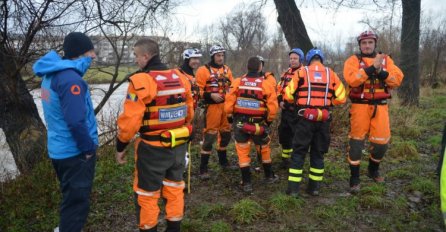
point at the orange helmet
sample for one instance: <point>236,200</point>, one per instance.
<point>367,35</point>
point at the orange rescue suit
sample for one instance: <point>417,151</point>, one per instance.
<point>253,97</point>
<point>214,80</point>
<point>369,111</point>
<point>153,105</point>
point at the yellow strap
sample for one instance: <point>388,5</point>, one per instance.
<point>257,128</point>
<point>295,179</point>
<point>315,170</point>
<point>172,135</point>
<point>295,171</point>
<point>189,167</point>
<point>285,155</point>
<point>319,115</point>
<point>316,178</point>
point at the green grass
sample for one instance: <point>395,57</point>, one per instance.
<point>207,211</point>
<point>220,226</point>
<point>424,185</point>
<point>99,75</point>
<point>404,150</point>
<point>246,211</point>
<point>281,203</point>
<point>30,203</point>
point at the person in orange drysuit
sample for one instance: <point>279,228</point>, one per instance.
<point>315,90</point>
<point>251,106</point>
<point>288,116</point>
<point>214,80</point>
<point>370,75</point>
<point>191,61</point>
<point>159,106</point>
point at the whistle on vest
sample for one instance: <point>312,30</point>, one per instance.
<point>253,128</point>
<point>314,114</point>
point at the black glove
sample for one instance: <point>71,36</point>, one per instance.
<point>383,75</point>
<point>230,119</point>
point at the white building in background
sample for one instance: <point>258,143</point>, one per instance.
<point>107,49</point>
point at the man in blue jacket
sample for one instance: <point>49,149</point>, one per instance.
<point>71,123</point>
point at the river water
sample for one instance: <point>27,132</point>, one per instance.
<point>8,168</point>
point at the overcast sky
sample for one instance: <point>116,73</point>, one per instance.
<point>322,24</point>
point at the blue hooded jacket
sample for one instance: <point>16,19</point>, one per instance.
<point>67,106</point>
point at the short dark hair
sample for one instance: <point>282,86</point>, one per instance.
<point>148,45</point>
<point>254,64</point>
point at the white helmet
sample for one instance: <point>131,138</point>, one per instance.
<point>216,49</point>
<point>261,59</point>
<point>191,53</point>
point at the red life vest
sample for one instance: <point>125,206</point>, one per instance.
<point>371,89</point>
<point>168,109</point>
<point>218,82</point>
<point>250,99</point>
<point>317,87</point>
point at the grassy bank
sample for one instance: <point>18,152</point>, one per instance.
<point>409,201</point>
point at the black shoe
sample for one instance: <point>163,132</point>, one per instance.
<point>247,187</point>
<point>313,188</point>
<point>355,186</point>
<point>292,193</point>
<point>272,179</point>
<point>293,189</point>
<point>204,176</point>
<point>173,226</point>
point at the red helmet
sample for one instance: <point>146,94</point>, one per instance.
<point>367,35</point>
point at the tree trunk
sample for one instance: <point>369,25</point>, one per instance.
<point>20,120</point>
<point>409,91</point>
<point>292,25</point>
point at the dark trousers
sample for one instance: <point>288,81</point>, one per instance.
<point>286,127</point>
<point>313,136</point>
<point>75,175</point>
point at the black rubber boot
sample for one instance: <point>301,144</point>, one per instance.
<point>204,175</point>
<point>313,187</point>
<point>293,189</point>
<point>222,158</point>
<point>173,226</point>
<point>246,179</point>
<point>374,172</point>
<point>354,179</point>
<point>270,177</point>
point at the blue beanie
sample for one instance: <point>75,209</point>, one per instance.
<point>76,44</point>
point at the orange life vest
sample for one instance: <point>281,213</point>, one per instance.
<point>286,78</point>
<point>194,87</point>
<point>316,89</point>
<point>218,82</point>
<point>168,110</point>
<point>250,99</point>
<point>371,89</point>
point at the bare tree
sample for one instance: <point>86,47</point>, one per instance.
<point>26,26</point>
<point>409,91</point>
<point>243,33</point>
<point>432,53</point>
<point>292,24</point>
<point>21,24</point>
